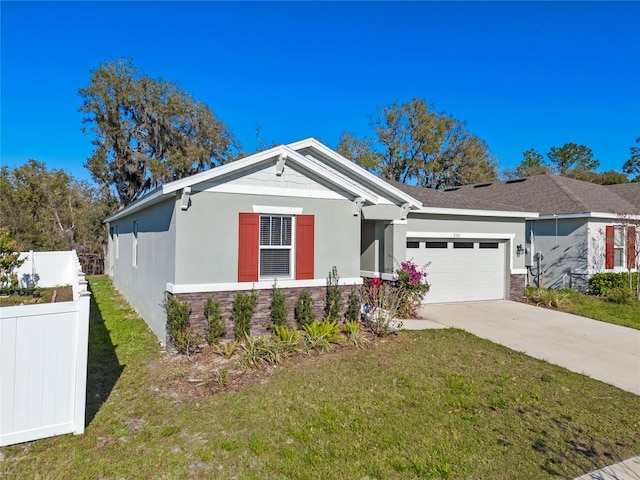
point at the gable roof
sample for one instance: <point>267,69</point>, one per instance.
<point>351,170</point>
<point>435,200</point>
<point>326,172</point>
<point>629,191</point>
<point>550,194</point>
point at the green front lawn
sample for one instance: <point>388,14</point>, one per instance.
<point>432,404</point>
<point>599,309</point>
<point>627,315</point>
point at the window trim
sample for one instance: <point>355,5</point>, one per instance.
<point>622,248</point>
<point>291,248</point>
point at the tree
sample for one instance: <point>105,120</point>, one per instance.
<point>49,210</point>
<point>414,142</point>
<point>610,177</point>
<point>147,131</point>
<point>572,157</point>
<point>10,260</point>
<point>632,166</point>
<point>531,164</point>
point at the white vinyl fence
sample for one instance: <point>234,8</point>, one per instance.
<point>43,356</point>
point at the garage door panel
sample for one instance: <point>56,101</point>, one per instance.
<point>462,274</point>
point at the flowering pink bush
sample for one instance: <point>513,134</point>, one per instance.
<point>412,282</point>
<point>414,276</point>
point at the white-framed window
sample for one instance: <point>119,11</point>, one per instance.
<point>116,241</point>
<point>276,246</point>
<point>619,246</point>
<point>134,253</point>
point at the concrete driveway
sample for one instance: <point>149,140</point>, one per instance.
<point>606,352</point>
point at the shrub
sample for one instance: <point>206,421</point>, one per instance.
<point>289,339</point>
<point>621,295</point>
<point>601,283</point>
<point>333,303</point>
<point>178,325</point>
<point>353,307</point>
<point>9,260</point>
<point>216,325</point>
<point>354,337</point>
<point>304,309</point>
<point>279,309</point>
<point>320,334</point>
<point>413,287</point>
<point>351,327</point>
<point>382,302</point>
<point>226,349</point>
<point>260,350</point>
<point>285,334</point>
<point>548,296</point>
<point>244,306</point>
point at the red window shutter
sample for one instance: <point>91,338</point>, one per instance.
<point>608,256</point>
<point>248,248</point>
<point>305,256</point>
<point>631,247</point>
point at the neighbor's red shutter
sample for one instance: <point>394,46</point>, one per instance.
<point>631,247</point>
<point>248,247</point>
<point>304,247</point>
<point>608,256</point>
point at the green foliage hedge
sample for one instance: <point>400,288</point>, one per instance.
<point>601,284</point>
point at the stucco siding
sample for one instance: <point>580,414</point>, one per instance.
<point>381,212</point>
<point>564,245</point>
<point>207,239</point>
<point>143,285</point>
<point>293,181</point>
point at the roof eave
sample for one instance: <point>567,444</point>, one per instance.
<point>357,170</point>
<point>475,212</point>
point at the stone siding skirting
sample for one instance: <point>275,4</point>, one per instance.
<point>517,284</point>
<point>261,320</point>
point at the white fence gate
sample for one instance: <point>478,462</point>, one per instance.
<point>43,356</point>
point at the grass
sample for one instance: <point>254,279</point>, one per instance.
<point>627,315</point>
<point>64,294</point>
<point>431,404</point>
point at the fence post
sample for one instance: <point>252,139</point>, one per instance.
<point>82,344</point>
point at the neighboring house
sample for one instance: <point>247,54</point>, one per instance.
<point>583,228</point>
<point>287,215</point>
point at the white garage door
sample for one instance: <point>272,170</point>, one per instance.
<point>461,270</point>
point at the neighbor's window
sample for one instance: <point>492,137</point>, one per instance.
<point>618,246</point>
<point>135,244</point>
<point>276,250</point>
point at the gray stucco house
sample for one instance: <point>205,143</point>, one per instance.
<point>583,228</point>
<point>291,213</point>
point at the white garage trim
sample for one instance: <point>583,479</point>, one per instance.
<point>479,236</point>
<point>470,273</point>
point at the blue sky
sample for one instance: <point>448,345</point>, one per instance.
<point>522,75</point>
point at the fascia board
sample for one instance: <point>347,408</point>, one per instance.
<point>147,200</point>
<point>222,170</point>
<point>475,213</point>
<point>357,170</point>
<point>232,167</point>
<point>332,177</point>
<point>607,215</point>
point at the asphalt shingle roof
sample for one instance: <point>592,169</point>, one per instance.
<point>441,199</point>
<point>629,191</point>
<point>549,194</point>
